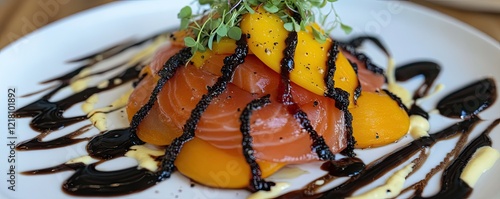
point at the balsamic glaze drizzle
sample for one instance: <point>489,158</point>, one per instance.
<point>430,71</point>
<point>452,186</point>
<point>88,181</point>
<point>351,46</point>
<point>112,144</point>
<point>470,100</point>
<point>345,167</point>
<point>114,50</point>
<point>48,116</point>
<point>380,167</point>
<point>37,144</point>
<point>55,169</point>
<point>358,41</point>
<point>287,65</point>
<point>417,110</point>
<point>230,64</point>
<point>340,96</point>
<point>257,183</point>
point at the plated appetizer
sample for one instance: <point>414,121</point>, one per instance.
<point>264,101</point>
<point>256,86</point>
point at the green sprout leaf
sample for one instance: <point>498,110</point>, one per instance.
<point>214,24</point>
<point>222,31</point>
<point>318,35</point>
<point>200,47</point>
<point>248,8</point>
<point>210,41</point>
<point>185,12</point>
<point>184,23</point>
<point>288,26</point>
<point>347,29</point>
<point>189,42</point>
<point>234,33</point>
<point>205,2</point>
<point>271,8</point>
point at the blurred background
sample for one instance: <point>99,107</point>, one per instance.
<point>20,17</point>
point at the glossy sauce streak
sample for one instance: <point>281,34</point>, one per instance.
<point>345,167</point>
<point>88,181</point>
<point>452,186</point>
<point>48,116</point>
<point>417,110</point>
<point>380,167</point>
<point>55,169</point>
<point>429,70</point>
<point>350,47</point>
<point>37,143</point>
<point>112,144</point>
<point>470,100</point>
<point>358,41</point>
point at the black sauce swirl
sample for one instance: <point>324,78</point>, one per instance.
<point>48,116</point>
<point>430,71</point>
<point>452,186</point>
<point>351,46</point>
<point>88,181</point>
<point>112,144</point>
<point>470,100</point>
<point>345,167</point>
<point>69,139</point>
<point>380,167</point>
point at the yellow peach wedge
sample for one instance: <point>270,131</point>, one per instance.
<point>378,120</point>
<point>216,167</point>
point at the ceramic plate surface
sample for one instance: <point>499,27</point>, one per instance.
<point>410,32</point>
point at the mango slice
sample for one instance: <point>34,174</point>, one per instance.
<point>266,39</point>
<point>225,46</point>
<point>378,120</point>
<point>216,167</point>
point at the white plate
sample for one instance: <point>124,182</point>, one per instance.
<point>411,33</point>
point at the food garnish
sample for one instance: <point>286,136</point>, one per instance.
<point>222,19</point>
